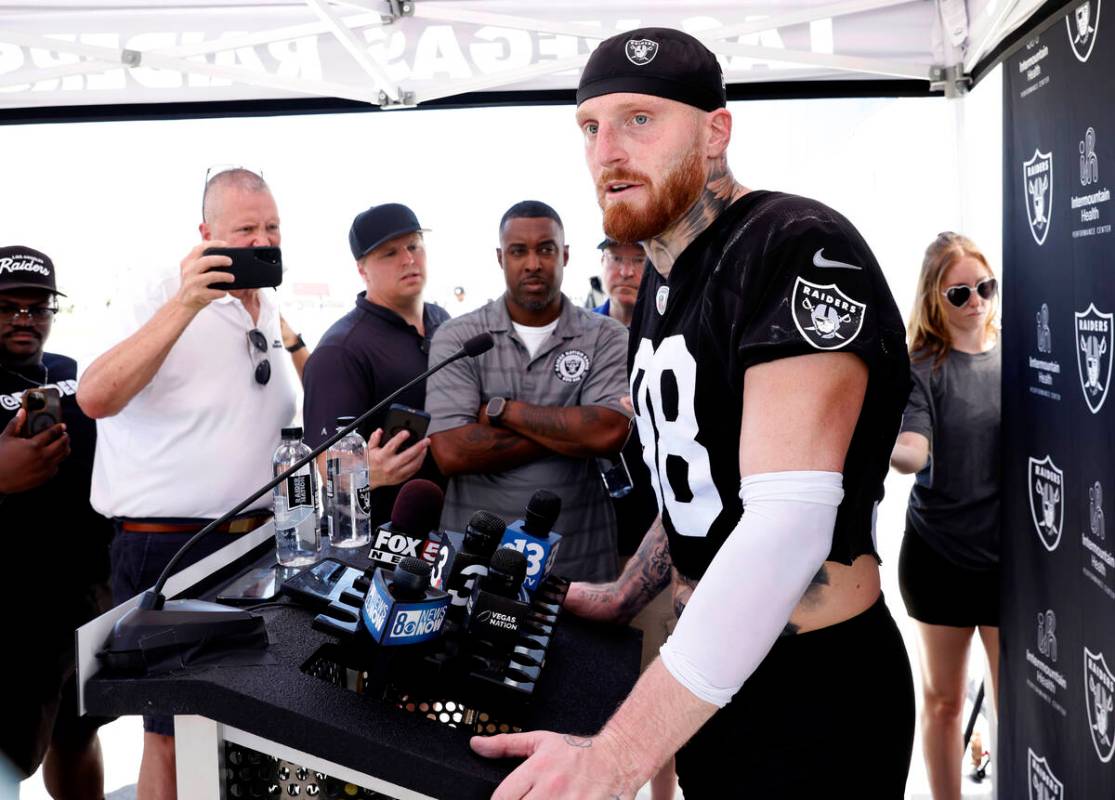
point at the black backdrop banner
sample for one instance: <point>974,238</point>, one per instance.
<point>1057,693</point>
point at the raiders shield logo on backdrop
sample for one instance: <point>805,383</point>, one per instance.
<point>826,317</point>
<point>1082,25</point>
<point>1095,338</point>
<point>1046,506</point>
<point>1037,178</point>
<point>1043,784</point>
<point>641,51</point>
<point>1099,697</point>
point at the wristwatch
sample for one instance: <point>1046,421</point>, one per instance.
<point>298,344</point>
<point>495,409</point>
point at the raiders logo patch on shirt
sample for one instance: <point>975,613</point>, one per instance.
<point>825,316</point>
<point>572,365</point>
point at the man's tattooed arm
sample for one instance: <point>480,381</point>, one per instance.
<point>576,431</point>
<point>646,574</point>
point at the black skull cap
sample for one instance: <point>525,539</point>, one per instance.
<point>662,62</point>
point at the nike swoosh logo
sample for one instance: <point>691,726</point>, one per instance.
<point>820,261</point>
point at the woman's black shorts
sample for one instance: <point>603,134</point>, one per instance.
<point>938,592</point>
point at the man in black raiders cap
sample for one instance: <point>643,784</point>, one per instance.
<point>377,347</point>
<point>768,375</point>
<point>56,542</point>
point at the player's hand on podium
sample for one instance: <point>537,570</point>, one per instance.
<point>560,766</point>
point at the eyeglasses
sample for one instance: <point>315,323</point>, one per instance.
<point>34,313</point>
<point>218,169</point>
<point>634,262</point>
<point>258,351</point>
<point>958,295</point>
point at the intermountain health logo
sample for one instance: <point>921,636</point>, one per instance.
<point>1046,494</point>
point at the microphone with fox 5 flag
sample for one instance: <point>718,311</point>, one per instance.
<point>404,610</point>
<point>416,513</point>
<point>494,616</point>
<point>534,537</point>
<point>463,558</point>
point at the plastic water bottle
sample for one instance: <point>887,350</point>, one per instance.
<point>347,484</point>
<point>296,521</point>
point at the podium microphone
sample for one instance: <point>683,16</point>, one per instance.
<point>195,621</point>
<point>416,513</point>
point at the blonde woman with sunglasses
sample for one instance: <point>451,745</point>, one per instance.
<point>949,564</point>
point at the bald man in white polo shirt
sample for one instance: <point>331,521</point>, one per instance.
<point>189,409</point>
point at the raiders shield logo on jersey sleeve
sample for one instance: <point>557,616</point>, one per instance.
<point>824,315</point>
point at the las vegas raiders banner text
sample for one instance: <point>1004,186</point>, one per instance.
<point>1057,693</point>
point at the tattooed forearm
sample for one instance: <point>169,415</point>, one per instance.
<point>575,431</point>
<point>721,190</point>
<point>646,574</point>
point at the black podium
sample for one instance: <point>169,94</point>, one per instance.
<point>236,720</point>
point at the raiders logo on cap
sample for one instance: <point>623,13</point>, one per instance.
<point>641,51</point>
<point>571,365</point>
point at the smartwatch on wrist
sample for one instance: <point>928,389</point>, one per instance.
<point>298,344</point>
<point>495,409</point>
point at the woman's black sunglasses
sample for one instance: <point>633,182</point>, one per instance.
<point>958,295</point>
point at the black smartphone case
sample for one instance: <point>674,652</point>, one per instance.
<point>254,267</point>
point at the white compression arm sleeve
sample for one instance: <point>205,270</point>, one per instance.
<point>758,576</point>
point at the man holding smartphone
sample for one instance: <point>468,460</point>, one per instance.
<point>377,347</point>
<point>190,405</point>
<point>45,510</point>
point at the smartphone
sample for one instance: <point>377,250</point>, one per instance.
<point>403,418</point>
<point>322,583</point>
<point>252,267</point>
<point>44,409</point>
<point>254,586</point>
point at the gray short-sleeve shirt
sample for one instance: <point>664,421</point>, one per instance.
<point>954,504</point>
<point>584,362</point>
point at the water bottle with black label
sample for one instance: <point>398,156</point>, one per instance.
<point>347,483</point>
<point>295,498</point>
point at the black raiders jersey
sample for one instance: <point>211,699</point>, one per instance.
<point>774,276</point>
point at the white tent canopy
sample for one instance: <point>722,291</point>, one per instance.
<point>398,53</point>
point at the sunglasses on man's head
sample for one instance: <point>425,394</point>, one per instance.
<point>263,365</point>
<point>958,295</point>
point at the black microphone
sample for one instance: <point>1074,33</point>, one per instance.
<point>416,513</point>
<point>209,620</point>
<point>535,537</point>
<point>463,559</point>
<point>494,616</point>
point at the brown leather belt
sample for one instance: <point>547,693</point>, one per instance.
<point>242,524</point>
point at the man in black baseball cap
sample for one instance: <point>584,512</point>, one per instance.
<point>769,374</point>
<point>377,347</point>
<point>47,520</point>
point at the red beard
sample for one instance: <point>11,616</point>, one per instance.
<point>680,190</point>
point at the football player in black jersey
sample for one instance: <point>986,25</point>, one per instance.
<point>768,375</point>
